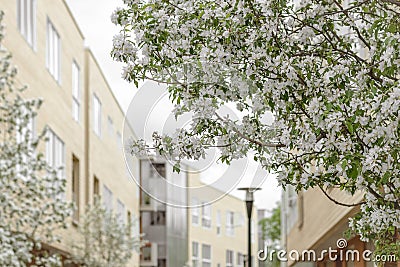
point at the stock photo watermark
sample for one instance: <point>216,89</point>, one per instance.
<point>340,253</point>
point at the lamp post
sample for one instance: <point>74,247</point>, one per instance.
<point>249,206</point>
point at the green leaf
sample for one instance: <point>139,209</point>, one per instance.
<point>349,126</point>
<point>392,28</point>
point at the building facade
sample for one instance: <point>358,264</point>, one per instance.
<point>218,228</point>
<point>83,118</point>
<point>312,222</point>
<point>163,214</point>
<point>190,228</point>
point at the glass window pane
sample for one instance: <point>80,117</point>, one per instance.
<point>53,53</point>
<point>97,115</point>
<point>75,92</point>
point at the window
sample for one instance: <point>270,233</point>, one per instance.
<point>206,215</point>
<point>96,187</point>
<point>96,115</point>
<point>162,262</point>
<point>206,255</point>
<point>53,52</point>
<point>25,134</point>
<point>121,212</point>
<point>240,259</point>
<point>129,220</point>
<point>300,209</point>
<point>218,222</point>
<point>107,199</point>
<point>291,206</point>
<point>135,225</point>
<point>195,254</point>
<point>195,212</point>
<point>55,154</point>
<point>161,251</point>
<point>75,188</point>
<point>157,169</point>
<point>229,258</point>
<point>146,252</point>
<point>76,92</point>
<point>110,126</point>
<point>240,219</point>
<point>26,16</point>
<point>157,218</point>
<point>230,223</point>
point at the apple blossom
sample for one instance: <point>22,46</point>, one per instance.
<point>327,70</point>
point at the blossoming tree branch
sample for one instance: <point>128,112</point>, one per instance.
<point>327,71</point>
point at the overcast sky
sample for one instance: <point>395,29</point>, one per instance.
<point>93,17</point>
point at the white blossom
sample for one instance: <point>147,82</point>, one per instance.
<point>329,77</point>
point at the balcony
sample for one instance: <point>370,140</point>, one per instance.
<point>148,255</point>
<point>147,203</point>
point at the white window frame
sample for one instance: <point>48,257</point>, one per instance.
<point>195,212</point>
<point>292,206</point>
<point>206,215</point>
<point>28,131</point>
<point>96,115</point>
<point>107,199</point>
<point>240,259</point>
<point>230,223</point>
<point>55,154</point>
<point>205,262</point>
<point>218,223</point>
<point>229,258</point>
<point>53,51</point>
<point>195,254</point>
<point>26,19</point>
<point>76,92</point>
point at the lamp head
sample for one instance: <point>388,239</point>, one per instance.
<point>249,192</point>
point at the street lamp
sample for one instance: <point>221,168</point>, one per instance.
<point>249,206</point>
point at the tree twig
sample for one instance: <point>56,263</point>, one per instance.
<point>337,202</point>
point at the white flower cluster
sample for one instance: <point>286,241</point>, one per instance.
<point>327,72</point>
<point>104,240</point>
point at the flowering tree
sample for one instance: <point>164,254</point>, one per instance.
<point>105,240</point>
<point>327,71</point>
<point>32,206</point>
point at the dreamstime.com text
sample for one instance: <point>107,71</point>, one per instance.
<point>337,254</point>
